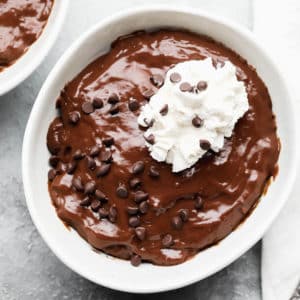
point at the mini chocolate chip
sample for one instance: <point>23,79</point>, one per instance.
<point>77,184</point>
<point>122,191</point>
<point>148,94</point>
<point>103,170</point>
<point>109,141</point>
<point>98,103</point>
<point>202,85</point>
<point>71,167</point>
<point>112,214</point>
<point>113,98</point>
<point>164,110</point>
<point>74,117</point>
<point>114,109</point>
<point>132,210</point>
<point>184,214</point>
<point>138,167</point>
<point>87,107</point>
<point>78,155</point>
<point>100,196</point>
<point>58,103</point>
<point>176,222</point>
<point>89,188</point>
<point>91,164</point>
<point>94,151</point>
<point>185,87</point>
<point>167,241</point>
<point>52,174</point>
<point>133,104</point>
<point>175,77</point>
<point>149,123</point>
<point>103,212</point>
<point>134,221</point>
<point>205,144</point>
<point>143,207</point>
<point>53,161</point>
<point>135,260</point>
<point>140,233</point>
<point>153,172</point>
<point>85,202</point>
<point>157,80</point>
<point>150,139</point>
<point>197,122</point>
<point>135,183</point>
<point>95,205</point>
<point>140,196</point>
<point>106,155</point>
<point>198,202</point>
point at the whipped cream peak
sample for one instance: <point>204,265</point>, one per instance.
<point>195,109</point>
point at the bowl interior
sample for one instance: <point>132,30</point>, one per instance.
<point>72,249</point>
<point>29,61</point>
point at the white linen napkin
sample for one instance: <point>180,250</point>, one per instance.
<point>277,25</point>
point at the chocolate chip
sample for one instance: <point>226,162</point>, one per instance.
<point>133,104</point>
<point>175,77</point>
<point>132,210</point>
<point>112,214</point>
<point>138,167</point>
<point>135,183</point>
<point>140,233</point>
<point>53,161</point>
<point>77,184</point>
<point>89,188</point>
<point>103,212</point>
<point>164,110</point>
<point>176,222</point>
<point>95,205</point>
<point>108,141</point>
<point>98,103</point>
<point>143,207</point>
<point>185,87</point>
<point>85,202</point>
<point>94,151</point>
<point>100,196</point>
<point>140,196</point>
<point>135,260</point>
<point>197,122</point>
<point>153,172</point>
<point>184,215</point>
<point>78,155</point>
<point>148,94</point>
<point>134,221</point>
<point>87,107</point>
<point>202,85</point>
<point>150,139</point>
<point>74,117</point>
<point>198,202</point>
<point>114,109</point>
<point>103,170</point>
<point>58,103</point>
<point>71,167</point>
<point>122,191</point>
<point>52,174</point>
<point>113,98</point>
<point>205,144</point>
<point>106,155</point>
<point>149,123</point>
<point>167,241</point>
<point>91,164</point>
<point>157,80</point>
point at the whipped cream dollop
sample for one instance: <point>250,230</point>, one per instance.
<point>193,111</point>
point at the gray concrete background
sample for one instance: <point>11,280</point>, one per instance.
<point>28,269</point>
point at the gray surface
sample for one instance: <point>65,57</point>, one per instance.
<point>28,269</point>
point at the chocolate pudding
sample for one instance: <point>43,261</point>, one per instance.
<point>21,23</point>
<point>103,181</point>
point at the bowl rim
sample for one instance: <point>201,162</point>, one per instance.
<point>43,52</point>
<point>35,112</point>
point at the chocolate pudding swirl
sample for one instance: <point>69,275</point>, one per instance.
<point>21,23</point>
<point>103,181</point>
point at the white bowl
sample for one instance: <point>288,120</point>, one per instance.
<point>119,274</point>
<point>31,59</point>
